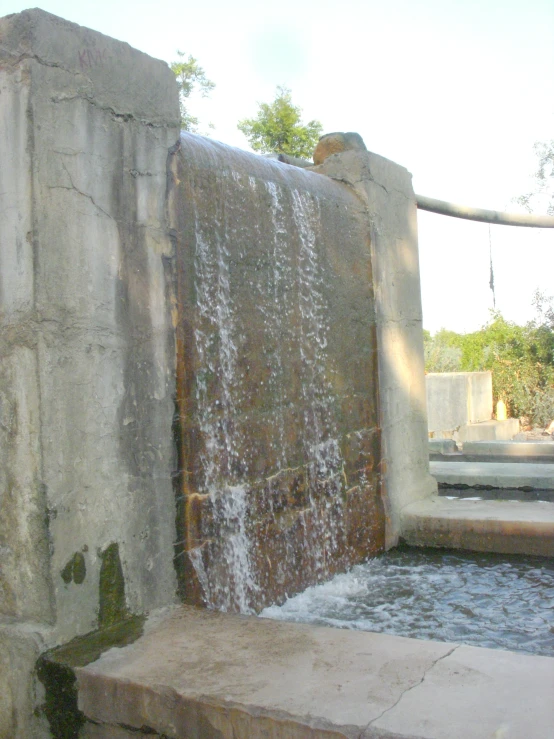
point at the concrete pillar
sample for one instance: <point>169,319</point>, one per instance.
<point>386,188</point>
<point>87,375</point>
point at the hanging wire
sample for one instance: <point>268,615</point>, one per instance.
<point>491,274</point>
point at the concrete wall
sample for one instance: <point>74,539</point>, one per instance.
<point>87,355</point>
<point>88,341</point>
<point>386,189</point>
<point>455,399</point>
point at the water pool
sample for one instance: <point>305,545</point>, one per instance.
<point>485,600</point>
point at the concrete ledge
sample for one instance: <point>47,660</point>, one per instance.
<point>496,474</point>
<point>509,527</point>
<point>544,449</point>
<point>202,674</point>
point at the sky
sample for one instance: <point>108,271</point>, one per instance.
<point>457,91</point>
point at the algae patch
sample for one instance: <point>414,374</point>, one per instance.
<point>113,607</point>
<point>75,570</point>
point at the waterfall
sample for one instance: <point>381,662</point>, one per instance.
<point>266,428</point>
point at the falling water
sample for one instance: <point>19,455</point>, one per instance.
<point>269,446</point>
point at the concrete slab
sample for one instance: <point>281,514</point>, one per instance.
<point>201,675</point>
<point>496,474</point>
<point>505,526</point>
<point>478,693</point>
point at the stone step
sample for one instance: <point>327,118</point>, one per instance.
<point>522,449</point>
<point>488,451</point>
<point>534,452</point>
<point>197,674</point>
<point>536,476</point>
<point>504,526</point>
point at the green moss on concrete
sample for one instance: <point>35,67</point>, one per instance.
<point>60,705</point>
<point>79,568</point>
<point>75,569</point>
<point>55,669</point>
<point>67,572</point>
<point>83,650</point>
<point>112,589</point>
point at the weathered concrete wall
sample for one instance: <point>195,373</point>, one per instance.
<point>386,189</point>
<point>86,345</point>
<point>455,399</point>
<point>90,291</point>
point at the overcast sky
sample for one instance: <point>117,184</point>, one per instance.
<point>457,91</point>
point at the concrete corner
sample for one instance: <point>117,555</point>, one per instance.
<point>20,693</point>
<point>108,73</point>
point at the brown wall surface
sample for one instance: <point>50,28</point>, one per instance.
<point>278,383</point>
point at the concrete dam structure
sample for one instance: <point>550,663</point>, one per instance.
<point>211,370</point>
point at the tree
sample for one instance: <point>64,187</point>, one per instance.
<point>521,359</point>
<point>542,196</point>
<point>190,76</point>
<point>278,128</point>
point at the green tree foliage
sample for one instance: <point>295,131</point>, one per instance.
<point>278,128</point>
<point>542,195</point>
<point>190,77</point>
<point>521,359</point>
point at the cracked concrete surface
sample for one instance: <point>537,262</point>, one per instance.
<point>86,360</point>
<point>247,678</point>
<point>411,687</point>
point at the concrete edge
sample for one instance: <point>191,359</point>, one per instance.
<point>503,527</point>
<point>398,687</point>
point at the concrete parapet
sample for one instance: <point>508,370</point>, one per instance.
<point>456,399</point>
<point>88,377</point>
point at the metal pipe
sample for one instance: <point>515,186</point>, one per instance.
<point>479,214</point>
<point>451,209</point>
<point>288,159</point>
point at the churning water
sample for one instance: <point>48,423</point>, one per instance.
<point>485,600</point>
